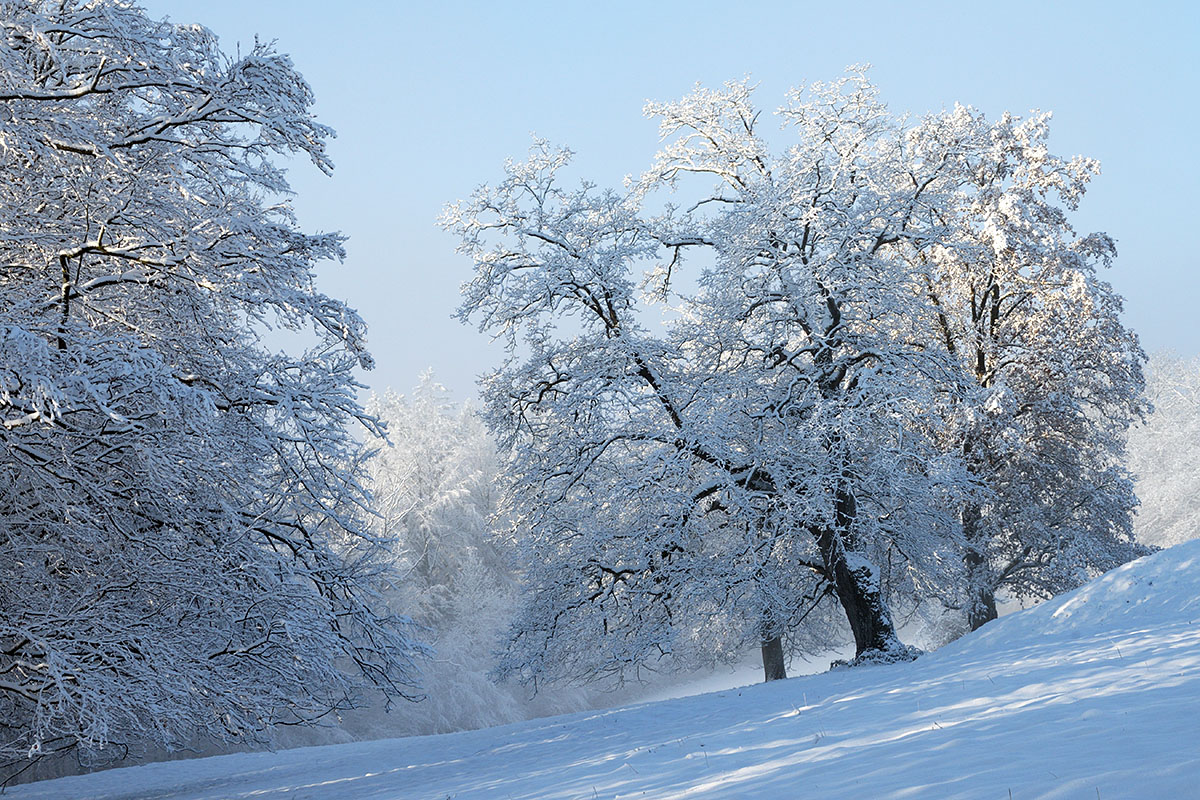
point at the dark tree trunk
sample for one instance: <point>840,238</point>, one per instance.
<point>857,585</point>
<point>770,637</point>
<point>772,658</point>
<point>981,602</point>
<point>981,598</point>
<point>982,608</point>
<point>854,578</point>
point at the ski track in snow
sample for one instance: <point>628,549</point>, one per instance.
<point>1092,695</point>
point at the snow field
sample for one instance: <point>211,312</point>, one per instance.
<point>1091,695</point>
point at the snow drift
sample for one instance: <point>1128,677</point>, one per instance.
<point>1091,695</point>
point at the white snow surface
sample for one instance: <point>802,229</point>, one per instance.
<point>1095,694</point>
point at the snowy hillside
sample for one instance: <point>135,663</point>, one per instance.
<point>1092,695</point>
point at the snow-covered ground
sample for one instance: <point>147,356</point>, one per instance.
<point>1093,695</point>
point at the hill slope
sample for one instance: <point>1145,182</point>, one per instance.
<point>1093,695</point>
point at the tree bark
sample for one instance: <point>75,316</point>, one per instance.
<point>857,585</point>
<point>772,657</point>
<point>854,578</point>
<point>981,602</point>
<point>770,638</point>
<point>982,608</point>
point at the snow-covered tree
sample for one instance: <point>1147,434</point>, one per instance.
<point>436,487</point>
<point>183,545</point>
<point>1055,377</point>
<point>435,490</point>
<point>1164,455</point>
<point>690,489</point>
<point>895,354</point>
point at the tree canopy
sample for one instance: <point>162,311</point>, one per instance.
<point>183,547</point>
<point>743,388</point>
<point>1163,454</point>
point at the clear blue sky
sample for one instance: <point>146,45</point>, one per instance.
<point>429,99</point>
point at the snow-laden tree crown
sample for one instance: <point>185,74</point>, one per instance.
<point>435,490</point>
<point>183,550</point>
<point>1163,454</point>
<point>888,371</point>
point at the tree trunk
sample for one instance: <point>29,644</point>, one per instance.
<point>981,602</point>
<point>982,608</point>
<point>854,577</point>
<point>770,637</point>
<point>772,658</point>
<point>857,585</point>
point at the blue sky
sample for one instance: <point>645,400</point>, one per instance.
<point>429,99</point>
